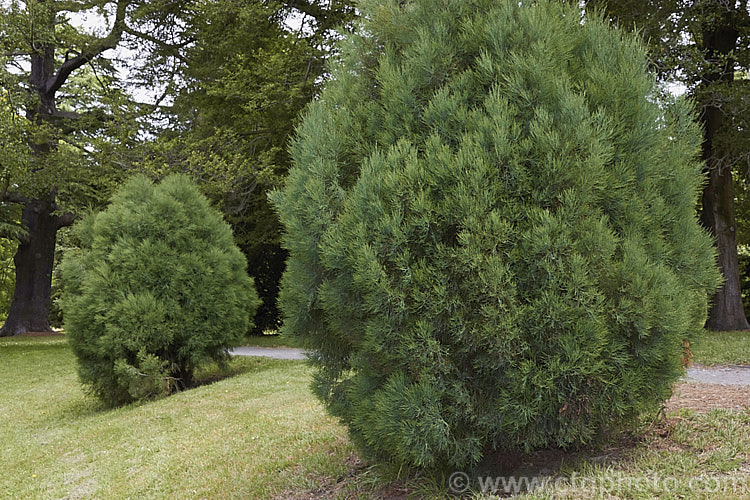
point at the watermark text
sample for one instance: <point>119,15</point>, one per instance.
<point>460,482</point>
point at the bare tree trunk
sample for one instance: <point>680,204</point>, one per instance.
<point>29,310</point>
<point>720,37</point>
<point>727,312</point>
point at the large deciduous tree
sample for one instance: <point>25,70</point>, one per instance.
<point>241,92</point>
<point>64,100</point>
<point>41,52</point>
<point>705,46</point>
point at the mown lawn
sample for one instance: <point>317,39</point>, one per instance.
<point>260,434</point>
<point>686,455</point>
<point>255,435</point>
<point>723,348</point>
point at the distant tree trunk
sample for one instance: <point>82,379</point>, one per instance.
<point>727,312</point>
<point>34,259</point>
<point>719,40</point>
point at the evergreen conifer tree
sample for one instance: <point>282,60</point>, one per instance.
<point>157,288</point>
<point>492,231</point>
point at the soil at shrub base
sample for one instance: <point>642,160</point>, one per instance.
<point>707,388</point>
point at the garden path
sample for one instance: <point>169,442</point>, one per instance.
<point>269,352</point>
<point>718,375</point>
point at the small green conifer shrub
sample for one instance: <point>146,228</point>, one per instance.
<point>157,287</point>
<point>492,231</point>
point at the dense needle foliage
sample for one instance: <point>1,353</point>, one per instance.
<point>492,232</point>
<point>157,287</point>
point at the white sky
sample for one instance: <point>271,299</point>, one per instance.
<point>96,24</point>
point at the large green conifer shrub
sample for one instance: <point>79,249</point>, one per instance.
<point>157,288</point>
<point>492,231</point>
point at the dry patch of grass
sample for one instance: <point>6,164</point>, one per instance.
<point>702,398</point>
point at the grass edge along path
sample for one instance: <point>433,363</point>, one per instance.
<point>269,340</point>
<point>723,348</point>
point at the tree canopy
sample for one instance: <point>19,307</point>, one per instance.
<point>240,95</point>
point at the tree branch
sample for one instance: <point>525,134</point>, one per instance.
<point>54,83</point>
<point>66,219</point>
<point>16,53</point>
<point>322,12</point>
<point>308,8</point>
<point>13,197</point>
<point>173,49</point>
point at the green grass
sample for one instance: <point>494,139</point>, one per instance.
<point>718,348</point>
<point>254,435</point>
<point>260,434</point>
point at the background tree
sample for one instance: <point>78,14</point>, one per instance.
<point>238,97</point>
<point>705,46</point>
<point>7,275</point>
<point>13,154</point>
<point>64,95</point>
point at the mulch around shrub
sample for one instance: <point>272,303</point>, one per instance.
<point>703,398</point>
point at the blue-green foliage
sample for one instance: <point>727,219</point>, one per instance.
<point>157,287</point>
<point>492,232</point>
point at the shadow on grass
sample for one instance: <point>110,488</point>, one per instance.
<point>524,471</point>
<point>87,406</point>
<point>212,373</point>
<point>90,406</point>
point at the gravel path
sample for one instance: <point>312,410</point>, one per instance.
<point>719,375</point>
<point>269,352</point>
